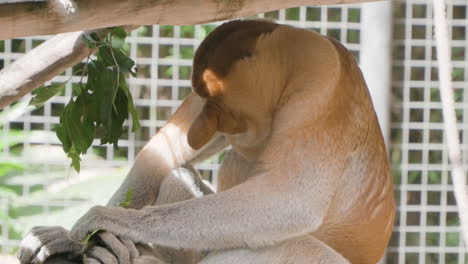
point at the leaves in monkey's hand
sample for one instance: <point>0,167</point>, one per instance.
<point>103,104</point>
<point>128,198</point>
<point>90,235</point>
<point>42,94</point>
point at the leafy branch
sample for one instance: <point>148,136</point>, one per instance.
<point>102,104</point>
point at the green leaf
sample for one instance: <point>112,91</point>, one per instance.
<point>118,43</point>
<point>128,198</point>
<point>104,55</point>
<point>75,157</point>
<point>41,95</point>
<point>82,134</point>
<point>119,114</point>
<point>118,36</point>
<point>95,98</point>
<point>104,103</point>
<point>62,135</point>
<point>130,105</point>
<point>91,40</point>
<point>105,91</point>
<point>119,32</point>
<point>126,64</point>
<point>75,135</point>
<point>62,130</point>
<point>76,162</point>
<point>90,235</point>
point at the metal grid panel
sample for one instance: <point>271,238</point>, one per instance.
<point>163,55</point>
<point>427,226</point>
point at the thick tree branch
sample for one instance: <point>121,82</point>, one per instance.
<point>42,64</point>
<point>40,18</point>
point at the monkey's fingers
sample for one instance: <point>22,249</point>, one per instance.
<point>58,246</point>
<point>131,247</point>
<point>111,242</point>
<point>40,240</point>
<point>102,255</point>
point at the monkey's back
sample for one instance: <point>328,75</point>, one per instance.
<point>361,218</point>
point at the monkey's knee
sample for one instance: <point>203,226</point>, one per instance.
<point>182,184</point>
<point>179,186</point>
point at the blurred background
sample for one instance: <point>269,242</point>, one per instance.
<point>393,41</point>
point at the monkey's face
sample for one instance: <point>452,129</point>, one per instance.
<point>225,73</point>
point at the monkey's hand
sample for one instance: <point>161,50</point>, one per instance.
<point>105,247</point>
<point>112,219</point>
<point>41,243</point>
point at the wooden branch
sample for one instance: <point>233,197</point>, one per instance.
<point>39,18</point>
<point>42,64</point>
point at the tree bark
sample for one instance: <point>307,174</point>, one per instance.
<point>41,18</point>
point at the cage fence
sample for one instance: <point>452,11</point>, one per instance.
<point>426,228</point>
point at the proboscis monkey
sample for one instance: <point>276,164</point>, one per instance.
<point>307,179</point>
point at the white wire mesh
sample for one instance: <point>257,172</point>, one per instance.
<point>427,224</point>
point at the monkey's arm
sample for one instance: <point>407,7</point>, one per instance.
<point>274,205</point>
<point>167,150</point>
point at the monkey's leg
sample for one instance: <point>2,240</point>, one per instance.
<point>301,250</point>
<point>182,184</point>
<point>166,151</point>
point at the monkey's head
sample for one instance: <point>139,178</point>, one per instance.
<point>242,69</point>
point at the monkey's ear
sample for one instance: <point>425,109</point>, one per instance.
<point>203,128</point>
<point>214,85</point>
